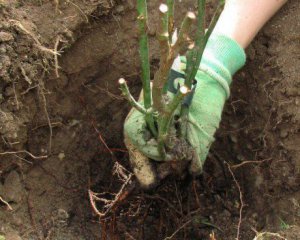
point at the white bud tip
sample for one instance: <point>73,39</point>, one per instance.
<point>122,81</point>
<point>191,15</point>
<point>163,8</point>
<point>166,35</point>
<point>191,46</point>
<point>184,90</point>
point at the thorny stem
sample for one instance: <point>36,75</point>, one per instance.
<point>144,56</point>
<point>194,56</point>
<point>161,76</point>
<point>162,33</point>
<point>183,33</point>
<point>170,4</point>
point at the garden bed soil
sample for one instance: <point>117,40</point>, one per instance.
<point>61,120</point>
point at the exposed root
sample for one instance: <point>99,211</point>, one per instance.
<point>170,205</point>
<point>178,229</point>
<point>56,5</point>
<point>130,236</point>
<point>21,27</point>
<point>250,162</point>
<point>80,10</point>
<point>36,40</point>
<point>241,201</point>
<point>16,96</point>
<point>55,52</point>
<point>6,203</point>
<point>268,235</point>
<point>23,72</point>
<point>113,96</point>
<point>42,94</point>
<point>120,171</point>
<point>91,87</point>
<point>23,159</point>
<point>56,56</point>
<point>93,123</point>
<point>111,204</point>
<point>53,124</point>
<point>28,89</point>
<point>26,152</point>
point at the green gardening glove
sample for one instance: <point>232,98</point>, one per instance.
<point>221,59</point>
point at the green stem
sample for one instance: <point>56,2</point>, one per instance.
<point>194,56</point>
<point>144,50</point>
<point>166,119</point>
<point>144,57</point>
<point>150,121</point>
<point>214,21</point>
<point>147,112</point>
<point>193,61</point>
<point>126,93</point>
<point>172,106</point>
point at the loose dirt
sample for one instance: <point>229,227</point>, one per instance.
<point>61,117</point>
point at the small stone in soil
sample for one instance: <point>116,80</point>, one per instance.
<point>6,37</point>
<point>284,133</point>
<point>12,190</point>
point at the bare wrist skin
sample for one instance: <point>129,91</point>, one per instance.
<point>242,19</point>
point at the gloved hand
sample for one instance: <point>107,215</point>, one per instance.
<point>221,59</point>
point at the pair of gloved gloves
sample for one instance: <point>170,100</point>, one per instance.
<point>222,58</point>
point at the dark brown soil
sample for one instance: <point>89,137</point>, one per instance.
<point>97,40</point>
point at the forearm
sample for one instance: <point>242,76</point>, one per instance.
<point>242,19</point>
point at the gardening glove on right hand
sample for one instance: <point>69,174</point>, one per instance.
<point>222,58</point>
